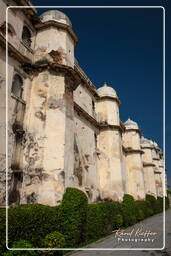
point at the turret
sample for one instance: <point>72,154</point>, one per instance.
<point>109,144</point>
<point>131,143</point>
<point>55,39</point>
<point>107,107</point>
<point>148,167</point>
<point>49,151</point>
<point>158,169</point>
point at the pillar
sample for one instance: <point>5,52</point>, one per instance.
<point>109,144</point>
<point>135,177</point>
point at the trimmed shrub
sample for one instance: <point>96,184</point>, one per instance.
<point>2,231</point>
<point>74,222</point>
<point>140,215</point>
<point>167,202</point>
<point>72,217</point>
<point>128,199</point>
<point>145,208</point>
<point>159,204</point>
<point>102,219</point>
<point>28,222</point>
<point>118,221</point>
<point>128,210</point>
<point>54,240</point>
<point>169,192</point>
<point>21,244</point>
<point>152,200</point>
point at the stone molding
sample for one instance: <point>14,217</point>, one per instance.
<point>109,98</point>
<point>57,24</point>
<point>131,150</point>
<point>148,164</point>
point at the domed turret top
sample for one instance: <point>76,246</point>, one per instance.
<point>145,142</point>
<point>56,15</point>
<point>130,124</point>
<point>106,90</point>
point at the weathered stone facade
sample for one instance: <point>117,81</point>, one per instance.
<point>62,131</point>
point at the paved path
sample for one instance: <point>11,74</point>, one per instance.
<point>155,240</point>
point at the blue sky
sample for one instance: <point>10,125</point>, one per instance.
<point>124,47</point>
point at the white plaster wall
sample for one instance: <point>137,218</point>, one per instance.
<point>52,38</point>
<point>17,19</point>
<point>46,144</point>
<point>124,172</point>
<point>135,180</point>
<point>158,181</point>
<point>85,141</point>
<point>131,139</point>
<point>147,156</point>
<point>110,165</point>
<point>13,107</point>
<point>2,125</point>
<point>149,180</point>
<point>149,177</point>
<point>84,98</point>
<point>107,111</point>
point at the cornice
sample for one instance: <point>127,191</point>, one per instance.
<point>53,67</point>
<point>110,127</point>
<point>132,151</point>
<point>85,80</point>
<point>146,147</point>
<point>43,25</point>
<point>148,164</point>
<point>156,158</point>
<point>132,129</point>
<point>157,172</point>
<point>100,98</point>
<point>93,120</point>
<point>30,10</point>
<point>13,52</point>
<point>88,117</point>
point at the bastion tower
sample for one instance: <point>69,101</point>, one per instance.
<point>48,158</point>
<point>109,143</point>
<point>131,142</point>
<point>148,167</point>
<point>62,130</point>
<point>158,169</point>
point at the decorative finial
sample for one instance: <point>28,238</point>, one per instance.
<point>105,84</point>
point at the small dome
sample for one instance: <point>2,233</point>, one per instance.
<point>129,124</point>
<point>145,142</point>
<point>56,16</point>
<point>155,144</point>
<point>106,90</point>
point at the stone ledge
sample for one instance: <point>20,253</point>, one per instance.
<point>57,24</point>
<point>131,150</point>
<point>148,164</point>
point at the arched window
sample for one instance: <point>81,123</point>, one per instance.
<point>26,36</point>
<point>17,85</point>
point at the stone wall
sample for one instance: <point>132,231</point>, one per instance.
<point>62,132</point>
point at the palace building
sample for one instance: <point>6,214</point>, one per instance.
<point>62,130</point>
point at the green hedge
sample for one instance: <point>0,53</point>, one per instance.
<point>102,219</point>
<point>143,209</point>
<point>21,244</point>
<point>128,210</point>
<point>167,202</point>
<point>2,231</point>
<point>28,222</point>
<point>157,204</point>
<point>72,217</point>
<point>75,222</point>
<point>169,192</point>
